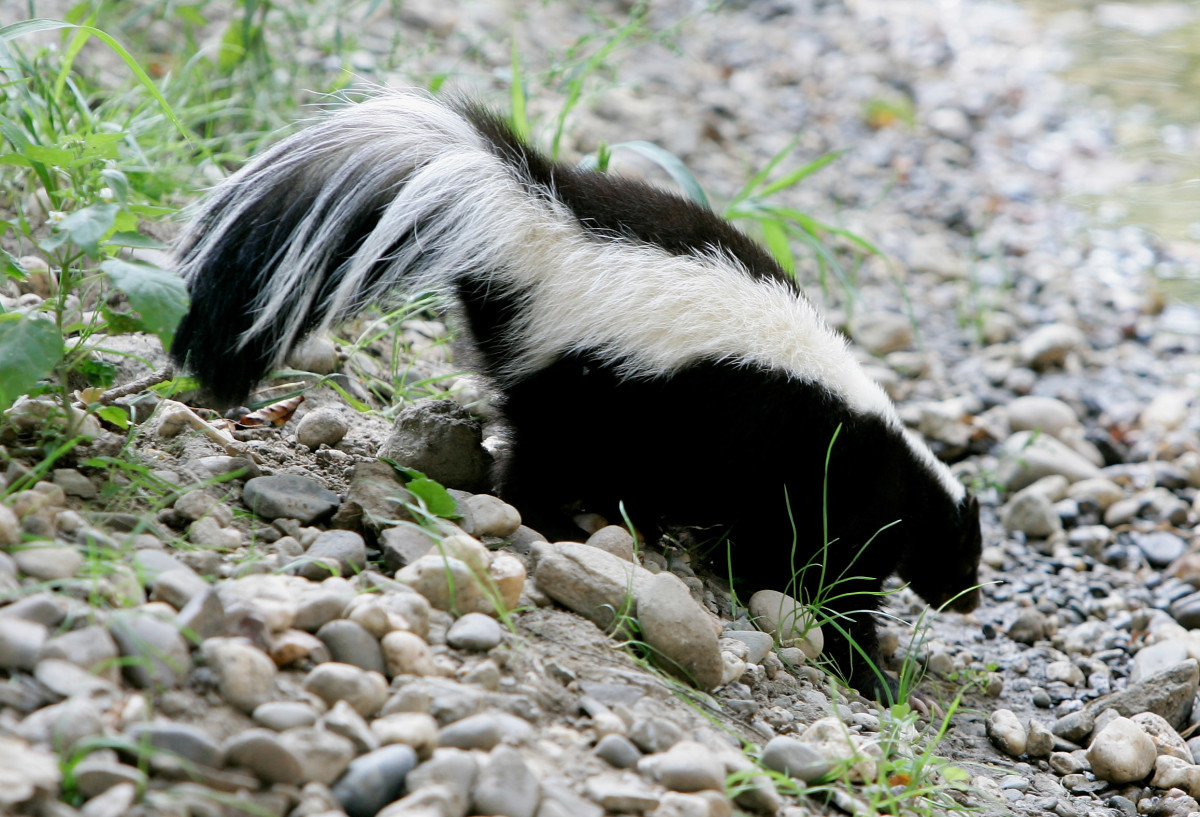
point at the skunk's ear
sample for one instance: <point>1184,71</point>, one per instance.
<point>970,510</point>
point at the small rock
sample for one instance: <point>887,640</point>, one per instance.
<point>616,540</point>
<point>474,631</point>
<point>406,653</point>
<point>758,644</point>
<point>1156,658</point>
<point>262,752</point>
<point>1171,772</point>
<point>245,674</point>
<point>1159,547</point>
<point>289,496</point>
<point>187,741</point>
<point>203,616</point>
<point>323,426</point>
<point>1075,726</point>
<point>1168,693</point>
<point>1166,740</point>
<point>48,562</point>
<point>788,620</point>
<point>1007,733</point>
<point>453,769</point>
<point>505,785</point>
<point>374,780</point>
<point>114,802</point>
<point>618,751</point>
<point>485,730</point>
<point>1037,413</point>
<point>156,654</point>
<point>332,682</point>
<point>492,516</point>
<point>26,771</point>
<point>283,715</point>
<point>74,483</point>
<point>1030,627</point>
<point>621,793</point>
<point>1121,752</point>
<point>403,544</point>
<point>883,332</point>
<point>678,631</point>
<point>1049,345</point>
<point>1040,740</point>
<point>1028,456</point>
<point>342,719</point>
<point>442,440</point>
<point>323,755</point>
<point>835,742</point>
<point>21,643</point>
<point>350,643</point>
<point>687,766</point>
<point>314,354</point>
<point>335,552</point>
<point>1031,513</point>
<point>415,729</point>
<point>654,734</point>
<point>1064,671</point>
<point>795,759</point>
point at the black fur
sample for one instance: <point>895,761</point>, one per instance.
<point>715,443</point>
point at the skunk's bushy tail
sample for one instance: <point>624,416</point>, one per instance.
<point>392,194</point>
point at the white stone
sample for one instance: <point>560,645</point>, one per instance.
<point>1122,752</point>
<point>1007,733</point>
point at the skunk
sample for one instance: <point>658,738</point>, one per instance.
<point>642,350</point>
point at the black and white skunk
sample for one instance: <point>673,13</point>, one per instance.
<point>643,350</point>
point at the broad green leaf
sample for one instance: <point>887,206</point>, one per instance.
<point>29,350</point>
<point>436,498</point>
<point>116,415</point>
<point>88,226</point>
<point>11,266</point>
<point>59,157</point>
<point>132,238</point>
<point>158,294</point>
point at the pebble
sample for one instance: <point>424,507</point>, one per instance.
<point>616,540</point>
<point>335,552</point>
<point>289,496</point>
<point>621,793</point>
<point>406,653</point>
<point>48,563</point>
<point>10,527</point>
<point>21,643</point>
<point>374,780</point>
<point>402,545</point>
<point>315,354</point>
<point>440,439</point>
<point>245,674</point>
<point>1167,693</point>
<point>1029,456</point>
<point>454,770</point>
<point>1064,671</point>
<point>283,715</point>
<point>788,620</point>
<point>155,653</point>
<point>323,426</point>
<point>505,785</point>
<point>1038,413</point>
<point>1031,513</point>
<point>262,751</point>
<point>485,730</point>
<point>1166,740</point>
<point>678,631</point>
<point>197,504</point>
<point>322,755</point>
<point>881,333</point>
<point>1007,733</point>
<point>1049,345</point>
<point>1160,547</point>
<point>795,758</point>
<point>114,802</point>
<point>415,729</point>
<point>653,734</point>
<point>1030,627</point>
<point>757,644</point>
<point>66,678</point>
<point>492,517</point>
<point>687,766</point>
<point>830,737</point>
<point>342,719</point>
<point>350,643</point>
<point>1039,741</point>
<point>618,750</point>
<point>475,632</point>
<point>1121,752</point>
<point>187,741</point>
<point>26,771</point>
<point>364,690</point>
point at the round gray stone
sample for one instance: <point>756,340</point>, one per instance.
<point>289,496</point>
<point>474,631</point>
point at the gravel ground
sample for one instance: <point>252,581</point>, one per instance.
<point>205,662</point>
